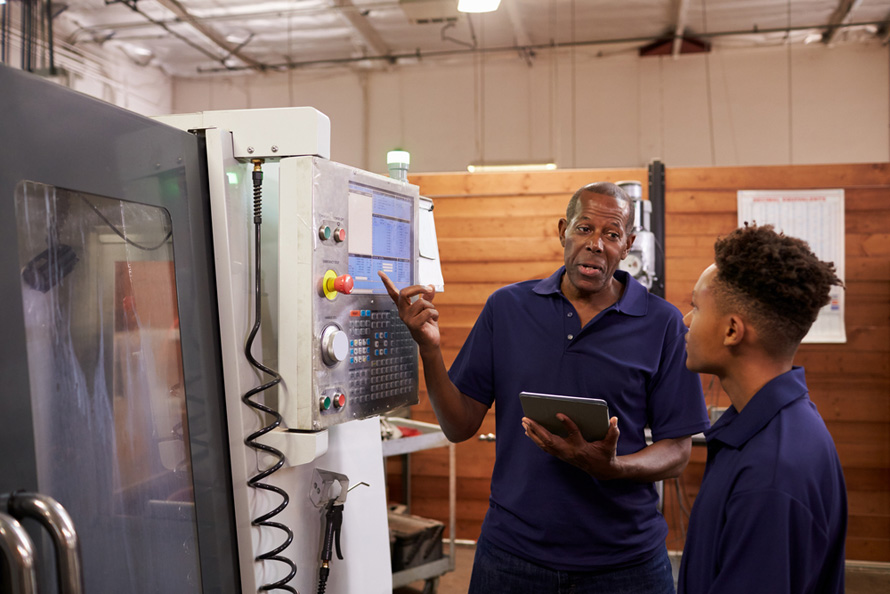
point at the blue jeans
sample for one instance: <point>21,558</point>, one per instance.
<point>496,571</point>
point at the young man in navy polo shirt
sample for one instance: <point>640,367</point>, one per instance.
<point>771,515</point>
<point>567,515</point>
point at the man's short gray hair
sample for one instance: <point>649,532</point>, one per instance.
<point>607,189</point>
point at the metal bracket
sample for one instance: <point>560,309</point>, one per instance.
<point>328,486</point>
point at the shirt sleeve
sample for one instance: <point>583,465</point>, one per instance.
<point>472,371</point>
<point>769,543</point>
<point>675,402</point>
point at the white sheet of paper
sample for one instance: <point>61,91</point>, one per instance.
<point>429,267</point>
<point>817,217</point>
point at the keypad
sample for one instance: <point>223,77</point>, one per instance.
<point>382,357</point>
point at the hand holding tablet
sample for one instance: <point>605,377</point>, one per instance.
<point>591,415</point>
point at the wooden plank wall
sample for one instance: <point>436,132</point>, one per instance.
<point>496,229</point>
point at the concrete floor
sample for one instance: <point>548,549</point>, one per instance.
<point>862,578</point>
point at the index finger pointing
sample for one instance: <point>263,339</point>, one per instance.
<point>390,287</point>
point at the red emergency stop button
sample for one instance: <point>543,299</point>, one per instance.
<point>340,284</point>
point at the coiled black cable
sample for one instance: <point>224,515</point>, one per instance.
<point>256,481</point>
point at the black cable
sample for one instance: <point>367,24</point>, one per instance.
<point>458,41</point>
<point>251,440</point>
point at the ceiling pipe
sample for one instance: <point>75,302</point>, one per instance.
<point>231,50</point>
<point>360,24</point>
<point>843,10</point>
<point>418,55</point>
<point>268,14</point>
<point>131,4</point>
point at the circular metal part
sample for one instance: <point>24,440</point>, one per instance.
<point>334,345</point>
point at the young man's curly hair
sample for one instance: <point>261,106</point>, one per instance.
<point>775,281</point>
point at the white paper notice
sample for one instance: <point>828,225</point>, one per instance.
<point>429,267</point>
<point>817,217</point>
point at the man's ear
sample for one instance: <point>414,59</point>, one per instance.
<point>563,225</point>
<point>628,245</point>
<point>734,331</point>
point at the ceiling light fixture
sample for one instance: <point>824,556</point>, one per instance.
<point>505,167</point>
<point>478,5</point>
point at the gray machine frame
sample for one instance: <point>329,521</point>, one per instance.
<point>67,140</point>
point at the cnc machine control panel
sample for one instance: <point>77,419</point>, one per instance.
<point>343,351</point>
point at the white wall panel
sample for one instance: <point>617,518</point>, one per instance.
<point>840,104</point>
<point>733,107</point>
<point>440,128</point>
<point>750,90</point>
<point>607,111</point>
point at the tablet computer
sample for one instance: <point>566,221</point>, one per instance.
<point>590,414</point>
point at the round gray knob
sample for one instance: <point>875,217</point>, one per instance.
<point>334,345</point>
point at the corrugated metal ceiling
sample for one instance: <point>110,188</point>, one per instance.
<point>199,37</point>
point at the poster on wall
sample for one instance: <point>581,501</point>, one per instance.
<point>817,217</point>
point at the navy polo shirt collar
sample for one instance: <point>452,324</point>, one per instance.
<point>735,428</point>
<point>634,301</point>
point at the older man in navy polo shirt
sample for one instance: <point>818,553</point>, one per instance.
<point>771,515</point>
<point>567,515</point>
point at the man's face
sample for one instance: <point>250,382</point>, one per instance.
<point>704,341</point>
<point>595,242</point>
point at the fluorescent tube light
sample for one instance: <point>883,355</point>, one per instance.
<point>490,167</point>
<point>478,5</point>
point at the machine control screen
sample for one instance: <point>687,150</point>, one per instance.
<point>381,238</point>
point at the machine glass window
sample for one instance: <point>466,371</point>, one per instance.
<point>106,378</point>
